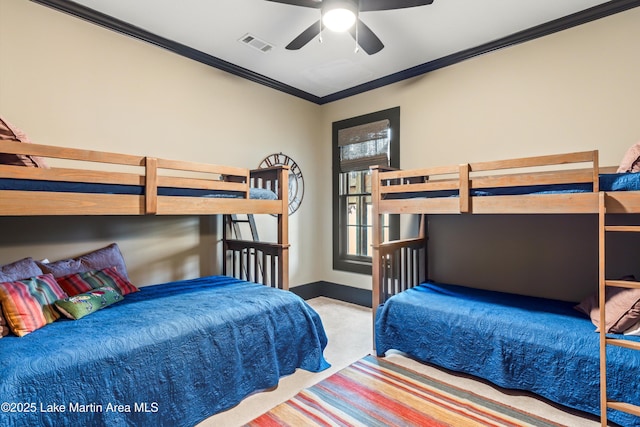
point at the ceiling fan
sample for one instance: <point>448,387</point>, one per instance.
<point>342,15</point>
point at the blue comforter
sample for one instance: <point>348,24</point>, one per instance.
<point>535,344</point>
<point>171,354</point>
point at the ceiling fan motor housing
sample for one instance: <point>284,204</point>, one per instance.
<point>339,15</point>
<point>351,5</point>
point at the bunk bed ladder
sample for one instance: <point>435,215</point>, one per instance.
<point>233,225</point>
<point>605,403</point>
<point>233,221</point>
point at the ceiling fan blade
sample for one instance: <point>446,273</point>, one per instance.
<point>367,39</point>
<point>316,4</point>
<point>372,5</point>
<point>305,37</point>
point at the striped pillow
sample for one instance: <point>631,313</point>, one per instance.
<point>28,304</point>
<point>79,283</point>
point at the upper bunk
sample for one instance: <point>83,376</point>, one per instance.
<point>560,183</point>
<point>103,183</point>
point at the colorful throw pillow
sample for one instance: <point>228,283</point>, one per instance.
<point>8,132</point>
<point>622,309</point>
<point>74,284</point>
<point>28,304</point>
<point>78,306</point>
<point>18,270</point>
<point>109,256</point>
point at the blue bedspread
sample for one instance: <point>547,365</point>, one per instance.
<point>171,354</point>
<point>535,344</point>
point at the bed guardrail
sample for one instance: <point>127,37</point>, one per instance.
<point>397,188</point>
<point>401,266</point>
<point>148,172</point>
<point>209,177</point>
<point>268,178</point>
<point>258,262</point>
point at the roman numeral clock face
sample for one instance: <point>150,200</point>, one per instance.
<point>296,181</point>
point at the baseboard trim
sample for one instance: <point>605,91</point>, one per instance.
<point>333,290</point>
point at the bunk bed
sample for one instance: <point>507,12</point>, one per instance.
<point>102,183</point>
<point>173,353</point>
<point>534,344</point>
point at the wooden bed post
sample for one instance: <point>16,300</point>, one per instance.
<point>602,209</point>
<point>422,234</point>
<point>596,172</point>
<point>225,248</point>
<point>283,228</point>
<point>464,188</point>
<point>151,185</point>
<point>376,241</point>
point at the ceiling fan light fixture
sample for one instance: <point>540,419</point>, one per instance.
<point>341,18</point>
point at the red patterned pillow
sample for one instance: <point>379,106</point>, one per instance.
<point>28,304</point>
<point>79,283</point>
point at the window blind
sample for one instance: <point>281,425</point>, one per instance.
<point>364,145</point>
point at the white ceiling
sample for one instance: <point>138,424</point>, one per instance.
<point>413,37</point>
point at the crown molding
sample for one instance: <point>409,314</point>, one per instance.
<point>106,21</point>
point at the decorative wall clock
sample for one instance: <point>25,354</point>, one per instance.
<point>296,180</point>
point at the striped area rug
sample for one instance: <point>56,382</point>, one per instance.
<point>374,392</point>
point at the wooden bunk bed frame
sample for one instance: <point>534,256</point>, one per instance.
<point>402,264</point>
<point>150,174</point>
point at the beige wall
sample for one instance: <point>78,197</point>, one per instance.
<point>70,83</point>
<point>570,91</point>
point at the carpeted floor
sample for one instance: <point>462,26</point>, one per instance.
<point>375,392</point>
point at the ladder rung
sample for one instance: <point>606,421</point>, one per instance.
<point>634,345</point>
<point>631,228</point>
<point>624,407</point>
<point>623,284</point>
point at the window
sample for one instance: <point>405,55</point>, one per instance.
<point>358,143</point>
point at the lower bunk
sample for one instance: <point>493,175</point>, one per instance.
<point>517,342</point>
<point>170,354</point>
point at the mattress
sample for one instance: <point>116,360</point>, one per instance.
<point>518,342</point>
<point>170,354</point>
<point>82,187</point>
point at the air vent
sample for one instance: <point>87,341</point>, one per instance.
<point>256,43</point>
